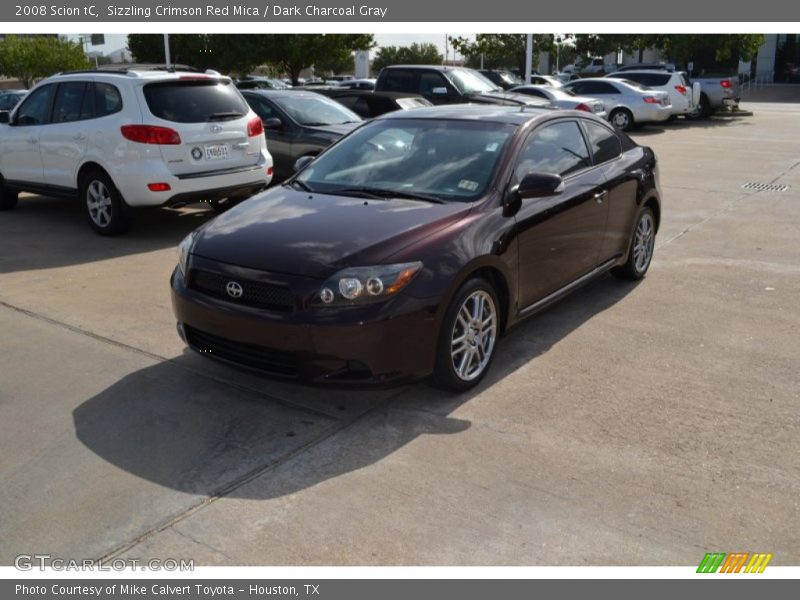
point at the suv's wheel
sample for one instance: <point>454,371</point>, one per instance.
<point>107,211</point>
<point>468,337</point>
<point>621,118</point>
<point>642,243</point>
<point>702,110</point>
<point>8,198</point>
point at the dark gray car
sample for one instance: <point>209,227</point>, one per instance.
<point>299,123</point>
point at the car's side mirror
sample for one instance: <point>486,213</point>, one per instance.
<point>5,117</point>
<point>301,163</point>
<point>272,123</point>
<point>439,91</point>
<point>540,185</point>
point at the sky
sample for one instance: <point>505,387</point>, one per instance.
<point>115,41</point>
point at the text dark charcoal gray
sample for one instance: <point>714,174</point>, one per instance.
<point>703,587</point>
<point>266,11</point>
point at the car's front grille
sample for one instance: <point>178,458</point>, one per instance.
<point>252,293</point>
<point>275,362</point>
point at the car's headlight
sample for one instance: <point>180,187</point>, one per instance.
<point>183,251</point>
<point>363,285</point>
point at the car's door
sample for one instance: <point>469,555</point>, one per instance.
<point>604,90</point>
<point>434,87</point>
<point>560,236</point>
<point>20,155</point>
<point>67,139</point>
<point>280,140</point>
<point>622,186</point>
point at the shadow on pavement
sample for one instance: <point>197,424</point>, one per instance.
<point>169,425</point>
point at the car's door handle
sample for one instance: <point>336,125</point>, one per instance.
<point>600,196</point>
<point>79,136</point>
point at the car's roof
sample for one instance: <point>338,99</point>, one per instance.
<point>140,75</point>
<point>513,115</point>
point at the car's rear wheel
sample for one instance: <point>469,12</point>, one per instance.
<point>642,244</point>
<point>468,337</point>
<point>8,198</point>
<point>107,212</point>
<point>621,118</point>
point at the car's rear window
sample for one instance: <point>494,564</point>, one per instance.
<point>191,101</point>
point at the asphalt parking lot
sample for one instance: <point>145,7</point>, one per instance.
<point>632,424</point>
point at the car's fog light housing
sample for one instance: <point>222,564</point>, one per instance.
<point>363,285</point>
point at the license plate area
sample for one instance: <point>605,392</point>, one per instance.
<point>216,151</point>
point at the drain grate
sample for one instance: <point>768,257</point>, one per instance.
<point>765,187</point>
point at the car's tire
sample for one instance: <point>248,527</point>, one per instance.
<point>702,109</point>
<point>640,253</point>
<point>105,209</point>
<point>622,119</point>
<point>8,198</point>
<point>469,333</point>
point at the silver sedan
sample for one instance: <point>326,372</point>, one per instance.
<point>627,103</point>
<point>563,98</point>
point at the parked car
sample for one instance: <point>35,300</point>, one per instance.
<point>413,244</point>
<point>299,123</point>
<point>674,83</point>
<point>716,93</point>
<point>447,85</point>
<point>501,78</point>
<point>551,80</point>
<point>10,98</point>
<point>561,98</point>
<point>627,102</point>
<point>368,105</point>
<point>121,139</point>
<point>261,83</point>
<point>358,84</point>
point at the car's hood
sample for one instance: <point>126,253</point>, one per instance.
<point>506,98</point>
<point>335,130</point>
<point>300,233</point>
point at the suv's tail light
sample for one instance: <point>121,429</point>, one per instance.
<point>681,89</point>
<point>583,107</point>
<point>726,83</point>
<point>150,134</point>
<point>255,127</point>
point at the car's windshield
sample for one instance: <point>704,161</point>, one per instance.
<point>446,160</point>
<point>471,82</point>
<point>315,110</point>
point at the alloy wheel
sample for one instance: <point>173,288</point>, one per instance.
<point>473,337</point>
<point>98,201</point>
<point>643,242</point>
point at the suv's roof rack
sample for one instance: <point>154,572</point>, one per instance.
<point>134,70</point>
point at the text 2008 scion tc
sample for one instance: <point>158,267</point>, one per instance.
<point>411,245</point>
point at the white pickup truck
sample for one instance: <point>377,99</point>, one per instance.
<point>716,93</point>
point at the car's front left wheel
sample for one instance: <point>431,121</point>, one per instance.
<point>468,337</point>
<point>103,204</point>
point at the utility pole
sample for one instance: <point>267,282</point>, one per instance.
<point>167,59</point>
<point>528,57</point>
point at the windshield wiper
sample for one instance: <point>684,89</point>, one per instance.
<point>384,194</point>
<point>224,115</point>
<point>301,184</point>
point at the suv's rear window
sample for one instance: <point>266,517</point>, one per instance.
<point>194,101</point>
<point>649,79</point>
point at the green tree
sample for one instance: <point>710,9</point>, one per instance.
<point>415,54</point>
<point>500,50</point>
<point>292,53</point>
<point>224,52</point>
<point>30,58</point>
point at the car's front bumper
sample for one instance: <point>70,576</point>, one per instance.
<point>379,344</point>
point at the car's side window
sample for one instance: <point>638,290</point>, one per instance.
<point>69,102</point>
<point>107,99</point>
<point>535,92</point>
<point>430,80</point>
<point>35,109</point>
<point>262,108</point>
<point>559,149</point>
<point>398,80</point>
<point>603,143</point>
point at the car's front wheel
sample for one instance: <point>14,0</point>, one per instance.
<point>643,242</point>
<point>105,208</point>
<point>468,337</point>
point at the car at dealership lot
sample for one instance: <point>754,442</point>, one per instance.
<point>10,98</point>
<point>411,245</point>
<point>674,83</point>
<point>254,82</point>
<point>627,102</point>
<point>299,123</point>
<point>448,85</point>
<point>561,98</point>
<point>550,80</point>
<point>358,84</point>
<point>369,105</point>
<point>123,139</point>
<point>501,78</point>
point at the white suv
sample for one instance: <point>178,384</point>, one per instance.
<point>133,138</point>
